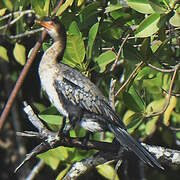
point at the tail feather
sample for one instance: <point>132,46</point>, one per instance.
<point>131,144</point>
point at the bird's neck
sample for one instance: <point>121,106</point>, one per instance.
<point>51,54</point>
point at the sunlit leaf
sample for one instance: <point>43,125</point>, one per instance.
<point>64,6</point>
<point>91,38</point>
<point>75,50</point>
<point>113,7</point>
<point>150,25</point>
<point>151,125</point>
<point>142,6</point>
<point>104,59</point>
<point>46,7</point>
<point>3,53</point>
<point>63,173</point>
<point>175,20</point>
<point>107,171</point>
<point>2,11</point>
<point>54,156</point>
<point>168,112</point>
<point>8,4</point>
<point>20,53</point>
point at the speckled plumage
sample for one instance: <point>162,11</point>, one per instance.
<point>76,97</point>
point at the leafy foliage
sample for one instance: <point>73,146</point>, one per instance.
<point>96,39</point>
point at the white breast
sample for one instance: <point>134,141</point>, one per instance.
<point>47,83</point>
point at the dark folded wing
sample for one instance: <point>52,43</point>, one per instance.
<point>80,91</point>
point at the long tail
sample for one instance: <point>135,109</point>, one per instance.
<point>131,144</point>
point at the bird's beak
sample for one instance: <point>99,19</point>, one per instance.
<point>47,25</point>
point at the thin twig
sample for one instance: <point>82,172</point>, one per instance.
<point>18,36</point>
<point>161,70</point>
<point>119,52</point>
<point>169,94</point>
<point>15,13</point>
<point>130,77</point>
<point>21,14</point>
<point>172,94</point>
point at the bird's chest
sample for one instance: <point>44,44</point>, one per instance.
<point>48,77</point>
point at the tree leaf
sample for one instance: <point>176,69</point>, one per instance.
<point>104,59</point>
<point>8,4</point>
<point>2,11</point>
<point>64,6</point>
<point>54,156</point>
<point>75,50</point>
<point>3,53</point>
<point>74,29</point>
<point>130,102</point>
<point>113,7</point>
<point>20,53</point>
<point>150,25</point>
<point>91,38</point>
<point>107,171</point>
<point>142,6</point>
<point>175,19</point>
<point>167,114</point>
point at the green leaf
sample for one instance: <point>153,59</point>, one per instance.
<point>64,6</point>
<point>20,53</point>
<point>54,156</point>
<point>142,6</point>
<point>104,59</point>
<point>2,11</point>
<point>63,173</point>
<point>74,29</point>
<point>113,7</point>
<point>130,102</point>
<point>157,7</point>
<point>150,25</point>
<point>46,7</point>
<point>51,119</point>
<point>8,4</point>
<point>145,49</point>
<point>3,53</point>
<point>91,38</point>
<point>175,20</point>
<point>107,171</point>
<point>133,121</point>
<point>131,53</point>
<point>137,98</point>
<point>75,50</point>
<point>151,125</point>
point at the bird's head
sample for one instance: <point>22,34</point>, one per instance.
<point>54,28</point>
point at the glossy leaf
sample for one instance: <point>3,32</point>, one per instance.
<point>54,156</point>
<point>175,19</point>
<point>75,50</point>
<point>64,6</point>
<point>74,29</point>
<point>20,53</point>
<point>104,59</point>
<point>142,6</point>
<point>52,119</point>
<point>151,125</point>
<point>3,53</point>
<point>150,25</point>
<point>2,11</point>
<point>131,103</point>
<point>91,38</point>
<point>167,114</point>
<point>113,7</point>
<point>107,171</point>
<point>8,4</point>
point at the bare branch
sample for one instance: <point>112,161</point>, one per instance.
<point>130,77</point>
<point>169,94</point>
<point>119,52</point>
